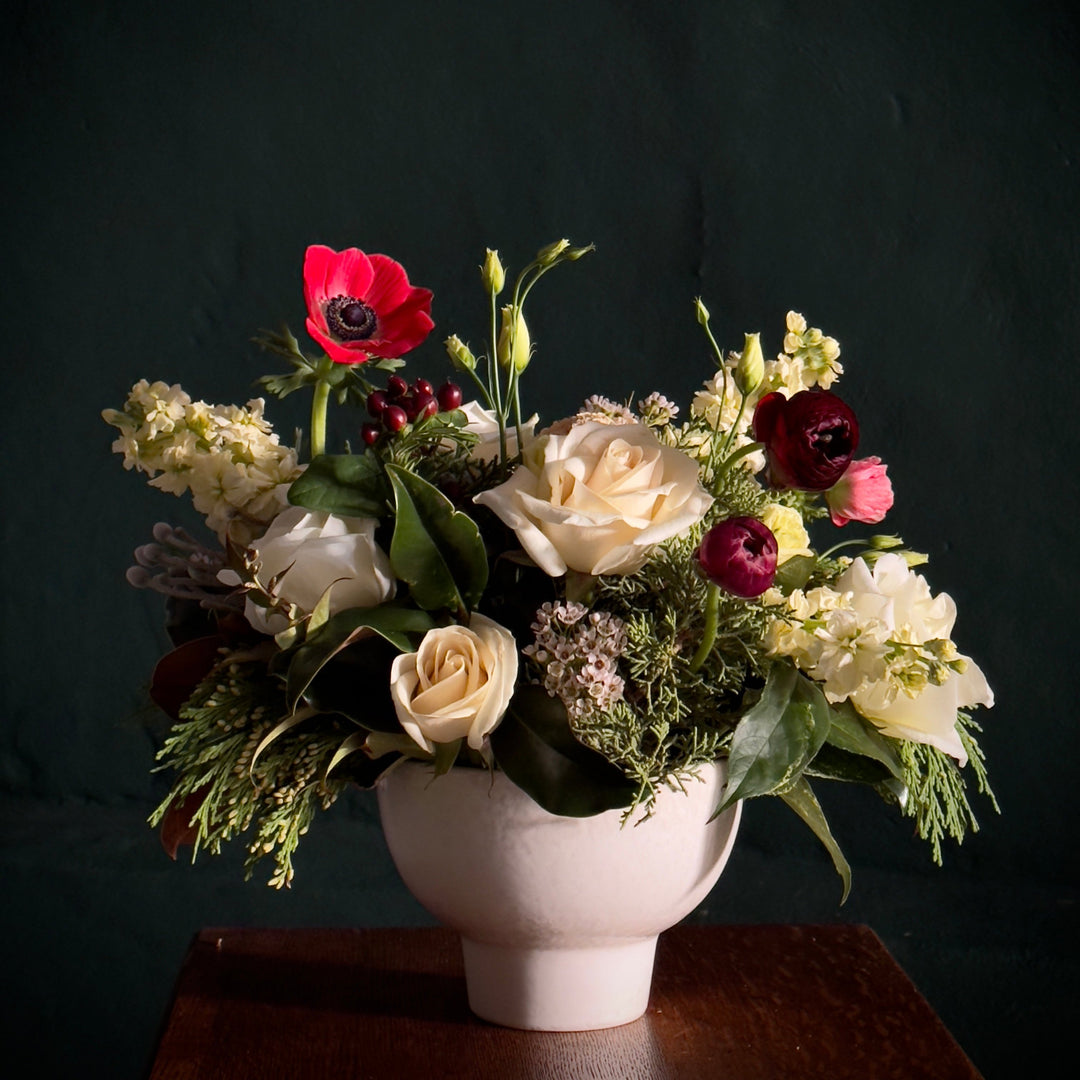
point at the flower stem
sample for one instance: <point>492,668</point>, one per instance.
<point>708,635</point>
<point>319,401</point>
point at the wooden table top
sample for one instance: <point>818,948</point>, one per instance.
<point>728,1003</point>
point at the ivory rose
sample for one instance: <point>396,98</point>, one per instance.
<point>597,498</point>
<point>457,684</point>
<point>313,551</point>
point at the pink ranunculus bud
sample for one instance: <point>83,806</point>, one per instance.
<point>864,493</point>
<point>739,555</point>
<point>810,438</point>
<point>362,306</point>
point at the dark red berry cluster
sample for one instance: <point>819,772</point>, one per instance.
<point>400,404</point>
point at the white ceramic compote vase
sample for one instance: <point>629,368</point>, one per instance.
<point>558,916</point>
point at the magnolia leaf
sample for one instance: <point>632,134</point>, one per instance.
<point>804,802</point>
<point>794,573</point>
<point>778,736</point>
<point>394,624</point>
<point>352,485</point>
<point>353,743</point>
<point>537,750</point>
<point>276,732</point>
<point>852,732</point>
<point>179,826</point>
<point>364,770</point>
<point>436,549</point>
<point>179,672</point>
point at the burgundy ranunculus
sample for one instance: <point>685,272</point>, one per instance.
<point>810,438</point>
<point>360,306</point>
<point>739,555</point>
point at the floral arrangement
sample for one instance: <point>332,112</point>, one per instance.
<point>591,609</point>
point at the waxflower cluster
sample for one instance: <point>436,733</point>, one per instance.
<point>592,607</point>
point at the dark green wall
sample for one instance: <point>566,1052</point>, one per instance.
<point>903,173</point>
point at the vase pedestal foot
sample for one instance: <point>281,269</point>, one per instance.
<point>559,989</point>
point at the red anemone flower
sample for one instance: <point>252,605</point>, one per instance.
<point>360,306</point>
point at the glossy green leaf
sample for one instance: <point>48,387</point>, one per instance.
<point>794,573</point>
<point>856,735</point>
<point>804,802</point>
<point>831,763</point>
<point>353,485</point>
<point>394,624</point>
<point>536,749</point>
<point>436,549</point>
<point>778,737</point>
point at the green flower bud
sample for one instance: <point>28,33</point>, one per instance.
<point>573,254</point>
<point>460,354</point>
<point>884,543</point>
<point>750,370</point>
<point>701,311</point>
<point>492,273</point>
<point>547,255</point>
<point>514,345</point>
<point>914,558</point>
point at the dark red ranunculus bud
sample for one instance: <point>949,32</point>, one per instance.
<point>810,438</point>
<point>739,555</point>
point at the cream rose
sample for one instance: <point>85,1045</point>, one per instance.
<point>894,595</point>
<point>482,422</point>
<point>457,684</point>
<point>597,498</point>
<point>314,551</point>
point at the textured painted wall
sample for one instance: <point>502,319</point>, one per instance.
<point>904,173</point>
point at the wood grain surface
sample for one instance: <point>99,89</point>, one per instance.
<point>738,1002</point>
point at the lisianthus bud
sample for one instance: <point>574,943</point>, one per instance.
<point>550,252</point>
<point>884,542</point>
<point>701,311</point>
<point>460,354</point>
<point>810,438</point>
<point>513,344</point>
<point>492,273</point>
<point>739,554</point>
<point>750,370</point>
<point>573,254</point>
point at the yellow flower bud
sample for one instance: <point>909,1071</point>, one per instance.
<point>573,254</point>
<point>492,273</point>
<point>514,342</point>
<point>460,354</point>
<point>750,370</point>
<point>548,254</point>
<point>701,311</point>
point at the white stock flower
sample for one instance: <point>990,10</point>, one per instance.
<point>483,422</point>
<point>901,599</point>
<point>872,638</point>
<point>314,551</point>
<point>457,685</point>
<point>597,499</point>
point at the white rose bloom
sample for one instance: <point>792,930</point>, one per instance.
<point>899,598</point>
<point>484,423</point>
<point>318,550</point>
<point>598,498</point>
<point>457,684</point>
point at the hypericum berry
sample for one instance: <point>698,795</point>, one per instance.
<point>449,397</point>
<point>426,405</point>
<point>394,418</point>
<point>370,433</point>
<point>396,387</point>
<point>376,402</point>
<point>422,386</point>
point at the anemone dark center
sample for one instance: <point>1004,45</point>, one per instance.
<point>349,319</point>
